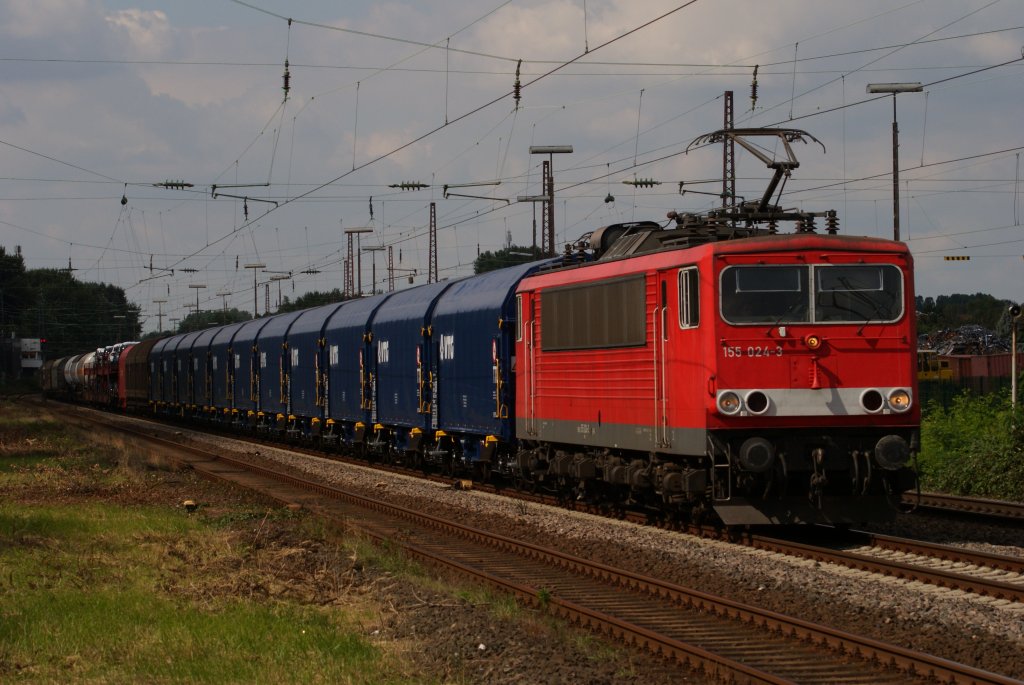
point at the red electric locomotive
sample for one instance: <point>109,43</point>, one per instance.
<point>720,366</point>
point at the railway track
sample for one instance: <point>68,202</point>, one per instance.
<point>726,639</point>
<point>993,575</point>
<point>954,568</point>
<point>995,510</point>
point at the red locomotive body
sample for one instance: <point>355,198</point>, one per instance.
<point>771,378</point>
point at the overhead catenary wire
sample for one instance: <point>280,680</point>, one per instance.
<point>461,117</point>
<point>461,209</point>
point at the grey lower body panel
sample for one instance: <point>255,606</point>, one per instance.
<point>636,438</point>
<point>799,509</point>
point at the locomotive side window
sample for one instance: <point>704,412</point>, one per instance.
<point>858,292</point>
<point>765,294</point>
<point>689,300</point>
<point>590,316</point>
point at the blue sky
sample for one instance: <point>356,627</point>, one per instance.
<point>102,99</point>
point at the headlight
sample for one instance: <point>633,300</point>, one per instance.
<point>899,400</point>
<point>729,402</point>
<point>872,401</point>
<point>757,402</point>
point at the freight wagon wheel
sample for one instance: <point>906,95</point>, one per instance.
<point>526,484</point>
<point>482,471</point>
<point>418,461</point>
<point>448,467</point>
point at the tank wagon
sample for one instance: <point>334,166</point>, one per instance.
<point>711,367</point>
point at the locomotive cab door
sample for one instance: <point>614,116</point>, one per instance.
<point>525,324</point>
<point>675,313</point>
<point>660,331</point>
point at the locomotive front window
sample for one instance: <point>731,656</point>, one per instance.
<point>848,293</point>
<point>765,294</point>
<point>855,293</point>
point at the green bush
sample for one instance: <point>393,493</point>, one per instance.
<point>975,447</point>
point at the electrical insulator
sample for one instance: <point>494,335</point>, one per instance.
<point>174,185</point>
<point>287,80</point>
<point>245,208</point>
<point>753,89</point>
<point>831,222</point>
<point>643,183</point>
<point>409,185</point>
<point>517,88</point>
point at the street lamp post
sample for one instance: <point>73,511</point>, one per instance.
<point>549,191</point>
<point>1015,314</point>
<point>255,287</point>
<point>279,278</point>
<point>895,88</point>
<point>160,314</point>
<point>373,250</point>
<point>357,232</point>
<point>197,287</point>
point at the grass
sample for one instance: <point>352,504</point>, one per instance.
<point>131,634</point>
<point>96,591</point>
<point>104,578</point>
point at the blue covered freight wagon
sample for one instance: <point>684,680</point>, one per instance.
<point>275,364</point>
<point>247,378</point>
<point>308,381</point>
<point>203,365</point>
<point>402,350</point>
<point>472,361</point>
<point>350,369</point>
<point>185,364</point>
<point>222,362</point>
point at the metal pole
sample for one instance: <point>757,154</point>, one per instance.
<point>255,288</point>
<point>895,88</point>
<point>895,173</point>
<point>550,208</point>
<point>359,264</point>
<point>160,315</point>
<point>1013,364</point>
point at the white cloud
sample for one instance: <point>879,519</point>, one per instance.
<point>209,113</point>
<point>148,32</point>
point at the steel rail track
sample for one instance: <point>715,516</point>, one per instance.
<point>912,569</point>
<point>1000,511</point>
<point>975,581</point>
<point>727,639</point>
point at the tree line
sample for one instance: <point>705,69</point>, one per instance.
<point>70,315</point>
